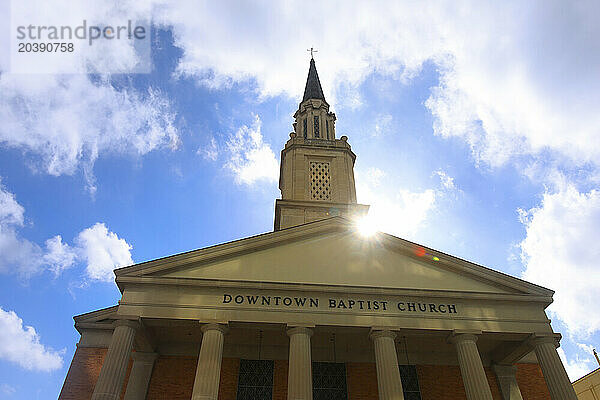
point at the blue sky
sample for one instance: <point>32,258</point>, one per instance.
<point>475,126</point>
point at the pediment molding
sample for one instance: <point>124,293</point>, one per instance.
<point>157,271</point>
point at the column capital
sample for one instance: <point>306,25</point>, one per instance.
<point>537,340</point>
<point>132,323</point>
<point>379,333</point>
<point>299,330</point>
<point>223,328</point>
<point>463,336</point>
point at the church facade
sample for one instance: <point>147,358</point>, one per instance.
<point>314,310</point>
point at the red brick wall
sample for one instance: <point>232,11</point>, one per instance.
<point>280,380</point>
<point>173,378</point>
<point>445,382</point>
<point>83,374</point>
<point>439,382</point>
<point>494,386</point>
<point>531,382</point>
<point>361,380</point>
<point>230,368</point>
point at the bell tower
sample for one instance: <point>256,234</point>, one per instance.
<point>316,176</point>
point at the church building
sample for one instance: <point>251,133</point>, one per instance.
<point>314,310</point>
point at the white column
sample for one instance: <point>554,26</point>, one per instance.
<point>471,368</point>
<point>388,374</point>
<point>507,381</point>
<point>208,371</point>
<point>114,367</point>
<point>554,372</point>
<point>300,364</point>
<point>139,378</point>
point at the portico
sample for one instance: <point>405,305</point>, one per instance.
<point>482,322</point>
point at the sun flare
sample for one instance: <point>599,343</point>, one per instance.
<point>366,226</point>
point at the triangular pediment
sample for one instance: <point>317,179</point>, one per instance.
<point>332,253</point>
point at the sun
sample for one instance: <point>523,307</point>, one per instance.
<point>366,226</point>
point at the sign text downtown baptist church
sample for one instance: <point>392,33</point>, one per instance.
<point>338,304</point>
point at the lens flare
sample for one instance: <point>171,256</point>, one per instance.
<point>366,226</point>
<point>420,252</point>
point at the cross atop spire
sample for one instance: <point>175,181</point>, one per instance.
<point>313,88</point>
<point>312,50</point>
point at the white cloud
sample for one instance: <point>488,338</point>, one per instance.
<point>11,212</point>
<point>209,152</point>
<point>446,180</point>
<point>118,55</point>
<point>103,251</point>
<point>100,249</point>
<point>374,176</point>
<point>401,212</point>
<point>59,256</point>
<point>383,122</point>
<point>250,159</point>
<point>17,255</point>
<point>8,390</point>
<point>586,348</point>
<point>515,78</point>
<point>561,252</point>
<point>21,345</point>
<point>576,367</point>
<point>68,121</point>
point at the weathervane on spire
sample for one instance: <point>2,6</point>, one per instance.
<point>312,50</point>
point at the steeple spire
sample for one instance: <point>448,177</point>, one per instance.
<point>317,170</point>
<point>313,88</point>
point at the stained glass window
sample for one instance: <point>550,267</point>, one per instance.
<point>329,381</point>
<point>255,381</point>
<point>410,382</point>
<point>317,126</point>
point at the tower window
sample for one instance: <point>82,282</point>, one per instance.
<point>317,126</point>
<point>255,381</point>
<point>304,128</point>
<point>319,181</point>
<point>327,128</point>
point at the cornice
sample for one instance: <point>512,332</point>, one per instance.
<point>324,288</point>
